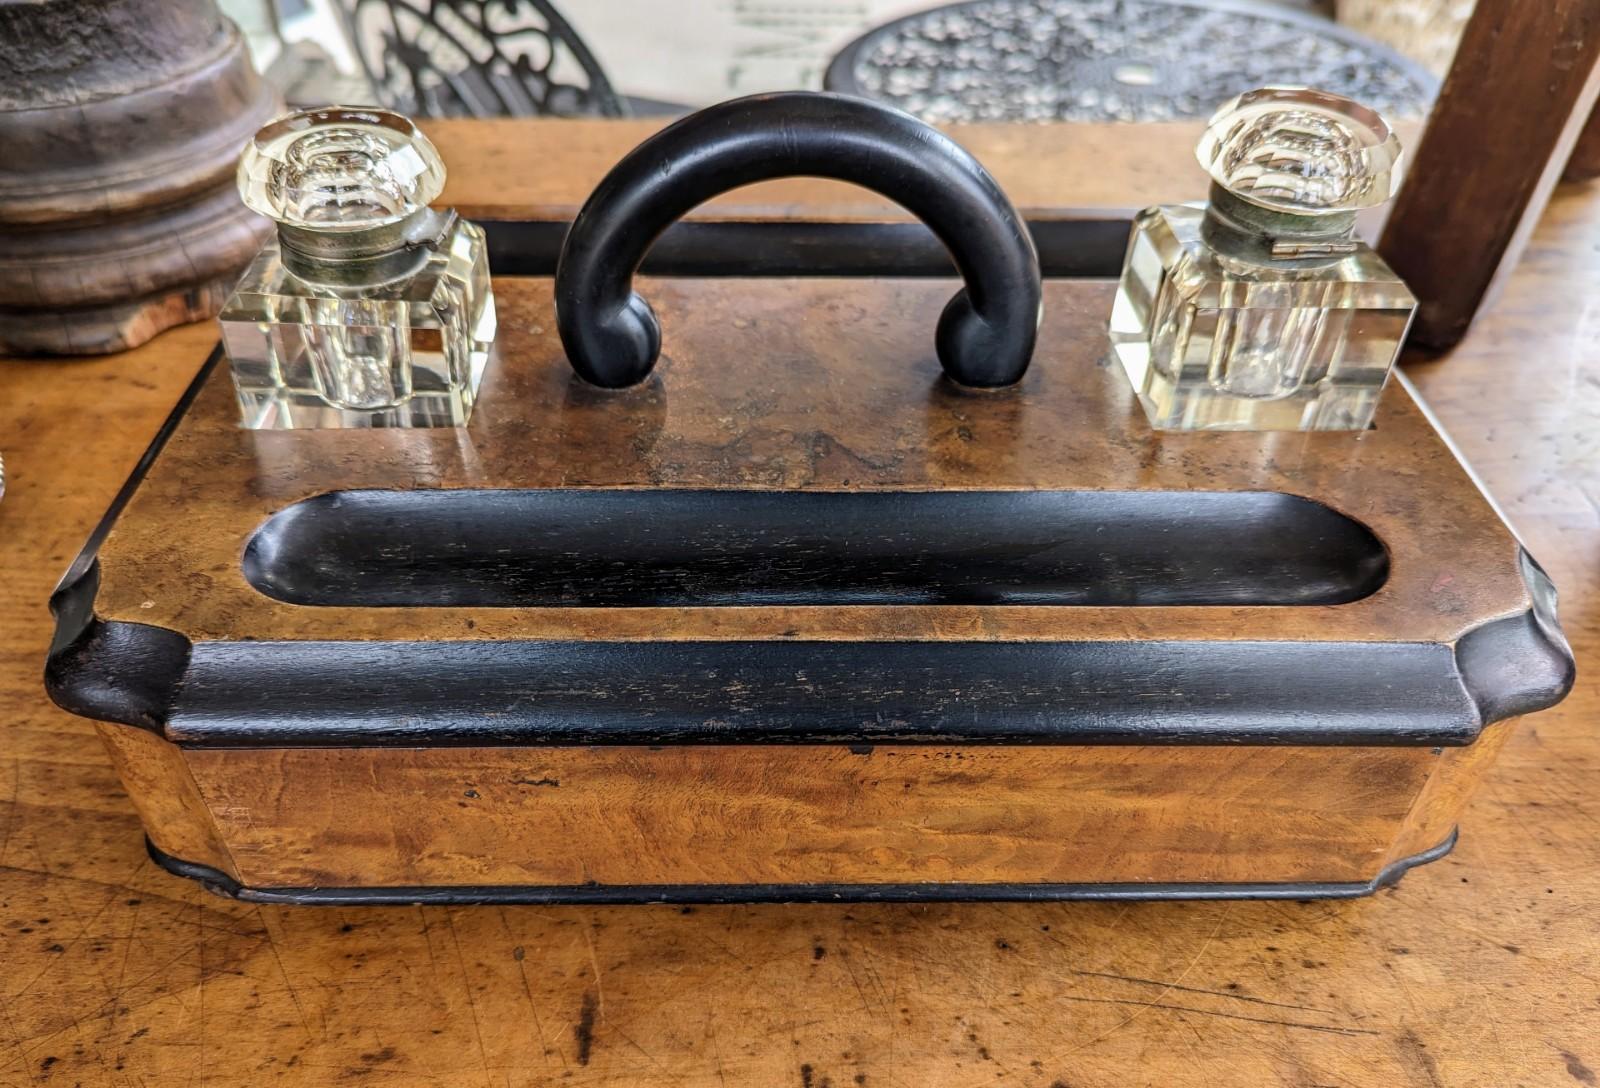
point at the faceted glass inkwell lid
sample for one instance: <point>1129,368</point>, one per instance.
<point>1297,150</point>
<point>340,169</point>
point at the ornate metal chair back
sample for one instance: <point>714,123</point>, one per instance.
<point>478,58</point>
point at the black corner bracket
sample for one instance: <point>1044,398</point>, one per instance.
<point>1522,663</point>
<point>117,672</point>
<point>113,672</point>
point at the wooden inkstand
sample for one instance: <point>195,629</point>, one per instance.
<point>835,602</point>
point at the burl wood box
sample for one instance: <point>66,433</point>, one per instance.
<point>798,618</point>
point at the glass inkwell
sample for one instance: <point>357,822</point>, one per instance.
<point>369,308</point>
<point>1261,310</point>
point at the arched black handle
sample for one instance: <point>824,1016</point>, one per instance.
<point>987,331</point>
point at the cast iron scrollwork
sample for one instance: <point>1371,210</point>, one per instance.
<point>1115,60</point>
<point>478,58</point>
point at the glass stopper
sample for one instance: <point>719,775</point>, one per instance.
<point>1302,151</point>
<point>340,169</point>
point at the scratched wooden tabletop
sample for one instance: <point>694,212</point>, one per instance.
<point>1481,969</point>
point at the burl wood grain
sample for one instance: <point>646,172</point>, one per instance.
<point>545,169</point>
<point>814,384</point>
<point>163,789</point>
<point>807,815</point>
<point>819,385</point>
<point>1454,777</point>
<point>846,398</point>
<point>1475,972</point>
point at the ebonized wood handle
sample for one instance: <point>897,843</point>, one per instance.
<point>987,331</point>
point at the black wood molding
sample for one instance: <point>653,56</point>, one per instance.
<point>1090,245</point>
<point>320,694</point>
<point>526,693</point>
<point>221,883</point>
<point>563,547</point>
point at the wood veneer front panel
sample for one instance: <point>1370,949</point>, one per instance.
<point>164,793</point>
<point>1449,788</point>
<point>815,814</point>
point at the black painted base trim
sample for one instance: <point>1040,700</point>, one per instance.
<point>624,894</point>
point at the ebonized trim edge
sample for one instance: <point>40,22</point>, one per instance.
<point>293,695</point>
<point>220,883</point>
<point>515,693</point>
<point>1091,245</point>
<point>118,672</point>
<point>1522,663</point>
<point>137,674</point>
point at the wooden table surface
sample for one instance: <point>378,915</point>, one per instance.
<point>1481,969</point>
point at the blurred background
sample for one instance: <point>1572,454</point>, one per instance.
<point>993,60</point>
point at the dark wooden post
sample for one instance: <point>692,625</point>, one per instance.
<point>121,123</point>
<point>1584,162</point>
<point>1513,103</point>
